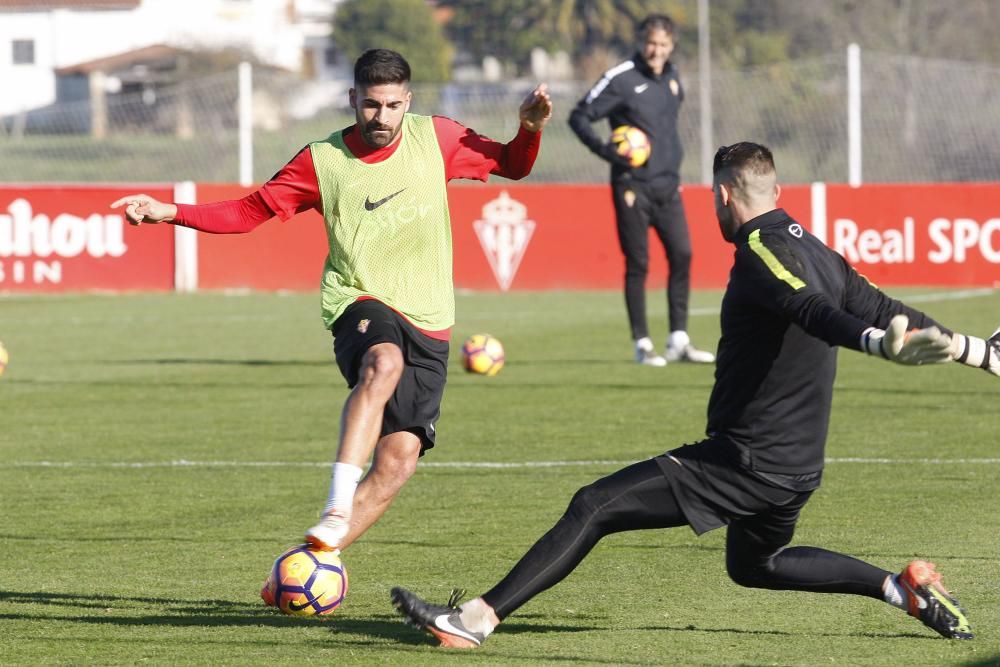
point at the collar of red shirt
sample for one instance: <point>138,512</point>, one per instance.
<point>364,152</point>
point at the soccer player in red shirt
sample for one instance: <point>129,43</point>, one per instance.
<point>387,292</point>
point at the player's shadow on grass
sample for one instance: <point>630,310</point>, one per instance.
<point>223,362</point>
<point>783,633</point>
<point>180,383</point>
<point>986,661</point>
<point>132,611</point>
<point>706,385</point>
<point>392,627</point>
<point>180,611</point>
<point>122,611</point>
<point>221,613</point>
<point>212,612</point>
<point>514,387</point>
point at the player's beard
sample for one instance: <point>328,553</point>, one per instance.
<point>727,224</point>
<point>377,135</point>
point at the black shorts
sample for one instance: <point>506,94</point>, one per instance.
<point>416,404</point>
<point>714,490</point>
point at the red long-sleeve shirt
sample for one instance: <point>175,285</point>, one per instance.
<point>295,189</point>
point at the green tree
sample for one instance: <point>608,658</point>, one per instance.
<point>745,33</point>
<point>586,29</point>
<point>406,26</point>
<point>507,31</point>
<point>958,30</point>
<point>590,25</point>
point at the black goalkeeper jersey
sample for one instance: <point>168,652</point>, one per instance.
<point>789,301</point>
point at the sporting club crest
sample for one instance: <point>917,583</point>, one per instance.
<point>504,233</point>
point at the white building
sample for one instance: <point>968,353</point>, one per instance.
<point>38,37</point>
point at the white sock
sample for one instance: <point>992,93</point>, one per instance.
<point>678,340</point>
<point>343,484</point>
<point>645,344</point>
<point>476,617</point>
<point>893,593</point>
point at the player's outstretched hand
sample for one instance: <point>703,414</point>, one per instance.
<point>536,109</point>
<point>993,343</point>
<point>143,208</point>
<point>977,352</point>
<point>913,348</point>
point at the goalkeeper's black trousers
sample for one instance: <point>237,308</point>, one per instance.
<point>639,497</point>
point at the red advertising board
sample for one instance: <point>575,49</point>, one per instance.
<point>529,237</point>
<point>506,236</point>
<point>276,255</point>
<point>56,238</point>
<point>537,237</point>
<point>927,234</point>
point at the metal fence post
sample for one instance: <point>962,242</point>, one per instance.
<point>246,123</point>
<point>705,92</point>
<point>854,115</point>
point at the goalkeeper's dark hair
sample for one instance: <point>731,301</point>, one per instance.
<point>656,22</point>
<point>744,156</point>
<point>381,66</point>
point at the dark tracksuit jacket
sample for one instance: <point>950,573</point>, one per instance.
<point>630,94</point>
<point>790,299</point>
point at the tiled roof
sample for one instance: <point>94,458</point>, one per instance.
<point>121,60</point>
<point>43,5</point>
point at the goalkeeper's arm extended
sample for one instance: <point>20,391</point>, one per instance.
<point>931,346</point>
<point>977,352</point>
<point>913,348</point>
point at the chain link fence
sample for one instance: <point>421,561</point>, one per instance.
<point>923,121</point>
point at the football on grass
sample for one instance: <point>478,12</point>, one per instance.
<point>631,143</point>
<point>306,582</point>
<point>482,354</point>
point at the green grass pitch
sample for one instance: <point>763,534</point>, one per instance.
<point>157,452</point>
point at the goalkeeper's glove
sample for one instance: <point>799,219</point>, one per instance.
<point>913,348</point>
<point>977,352</point>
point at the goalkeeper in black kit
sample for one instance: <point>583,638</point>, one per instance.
<point>789,303</point>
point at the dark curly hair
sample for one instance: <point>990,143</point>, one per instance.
<point>381,66</point>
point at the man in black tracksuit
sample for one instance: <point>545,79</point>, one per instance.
<point>645,92</point>
<point>790,302</point>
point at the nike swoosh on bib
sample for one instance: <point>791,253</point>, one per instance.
<point>641,88</point>
<point>372,205</point>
